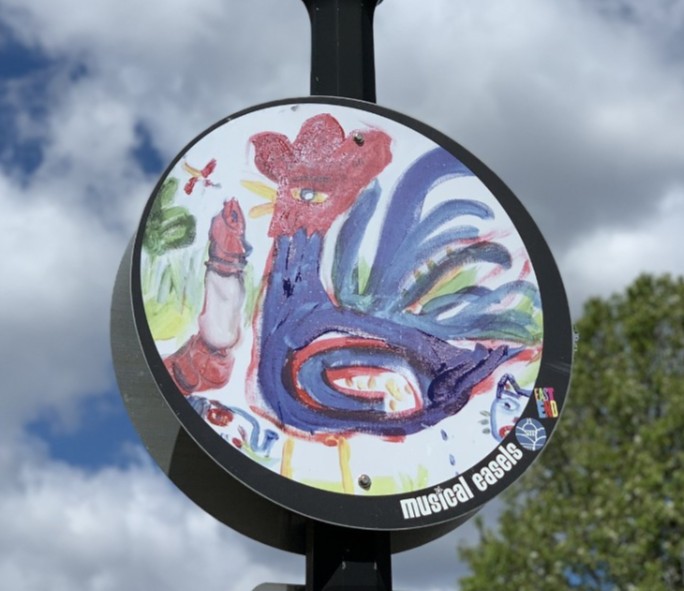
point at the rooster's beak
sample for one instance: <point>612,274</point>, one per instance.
<point>261,210</point>
<point>264,191</point>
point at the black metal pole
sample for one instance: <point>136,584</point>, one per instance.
<point>343,559</point>
<point>342,55</point>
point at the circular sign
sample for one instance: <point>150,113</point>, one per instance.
<point>350,314</point>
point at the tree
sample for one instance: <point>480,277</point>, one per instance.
<point>603,508</point>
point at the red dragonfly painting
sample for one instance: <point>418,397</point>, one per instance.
<point>197,175</point>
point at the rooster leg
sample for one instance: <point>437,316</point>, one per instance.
<point>286,462</point>
<point>344,454</point>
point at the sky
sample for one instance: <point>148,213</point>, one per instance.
<point>578,105</point>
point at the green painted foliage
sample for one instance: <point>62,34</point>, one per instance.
<point>168,226</point>
<point>604,506</point>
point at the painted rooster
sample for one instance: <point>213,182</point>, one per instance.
<point>371,352</point>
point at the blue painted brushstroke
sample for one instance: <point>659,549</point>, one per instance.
<point>406,205</point>
<point>297,311</point>
<point>348,246</point>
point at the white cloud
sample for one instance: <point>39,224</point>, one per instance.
<point>58,270</point>
<point>579,114</point>
<point>178,68</point>
<point>610,258</point>
<point>67,530</point>
<point>90,128</point>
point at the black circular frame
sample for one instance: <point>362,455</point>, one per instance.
<point>378,512</point>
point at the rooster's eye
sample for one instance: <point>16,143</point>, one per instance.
<point>309,195</point>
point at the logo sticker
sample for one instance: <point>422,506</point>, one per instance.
<point>531,434</point>
<point>546,403</point>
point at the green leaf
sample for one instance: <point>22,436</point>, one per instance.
<point>168,227</point>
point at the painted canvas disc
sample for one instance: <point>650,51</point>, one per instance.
<point>340,303</point>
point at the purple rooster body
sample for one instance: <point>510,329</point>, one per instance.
<point>312,349</point>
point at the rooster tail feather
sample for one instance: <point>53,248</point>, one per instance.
<point>487,252</point>
<point>420,255</point>
<point>473,313</point>
<point>445,213</point>
<point>406,204</point>
<point>346,259</point>
<point>509,325</point>
<point>449,303</point>
<point>421,246</point>
<point>483,297</point>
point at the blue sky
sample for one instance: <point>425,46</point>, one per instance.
<point>576,104</point>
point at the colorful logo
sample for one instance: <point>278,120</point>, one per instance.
<point>531,434</point>
<point>546,403</point>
